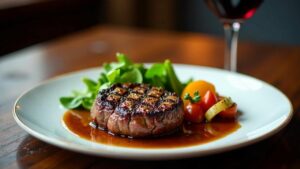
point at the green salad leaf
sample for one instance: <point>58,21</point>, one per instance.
<point>71,102</point>
<point>172,79</point>
<point>158,74</point>
<point>133,76</point>
<point>113,75</point>
<point>157,69</point>
<point>123,59</point>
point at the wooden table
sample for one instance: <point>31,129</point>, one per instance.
<point>276,64</point>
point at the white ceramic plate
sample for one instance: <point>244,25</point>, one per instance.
<point>265,111</point>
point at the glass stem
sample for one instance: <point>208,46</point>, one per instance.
<point>231,39</point>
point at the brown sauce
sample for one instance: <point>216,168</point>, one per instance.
<point>77,121</point>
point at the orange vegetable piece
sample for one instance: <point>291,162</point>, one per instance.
<point>201,86</point>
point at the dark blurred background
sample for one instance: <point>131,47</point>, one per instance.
<point>27,22</point>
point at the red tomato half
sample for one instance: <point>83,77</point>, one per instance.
<point>194,113</point>
<point>208,100</point>
<point>231,112</point>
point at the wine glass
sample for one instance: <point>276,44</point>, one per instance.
<point>232,14</point>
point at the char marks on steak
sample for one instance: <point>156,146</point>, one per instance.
<point>137,110</point>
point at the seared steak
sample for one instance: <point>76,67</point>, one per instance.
<point>137,110</point>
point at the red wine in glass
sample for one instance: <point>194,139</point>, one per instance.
<point>232,13</point>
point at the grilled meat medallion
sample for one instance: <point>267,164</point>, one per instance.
<point>137,110</point>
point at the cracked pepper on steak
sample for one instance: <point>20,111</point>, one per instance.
<point>137,110</point>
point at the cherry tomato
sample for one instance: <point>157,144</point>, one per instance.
<point>231,112</point>
<point>194,113</point>
<point>208,100</point>
<point>201,86</point>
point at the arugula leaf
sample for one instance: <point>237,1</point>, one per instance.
<point>71,102</point>
<point>133,76</point>
<point>88,102</point>
<point>156,70</point>
<point>123,59</point>
<point>104,86</point>
<point>107,67</point>
<point>173,80</point>
<point>102,79</point>
<point>158,81</point>
<point>141,68</point>
<point>90,84</point>
<point>113,75</point>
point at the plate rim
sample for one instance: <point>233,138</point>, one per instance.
<point>152,154</point>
